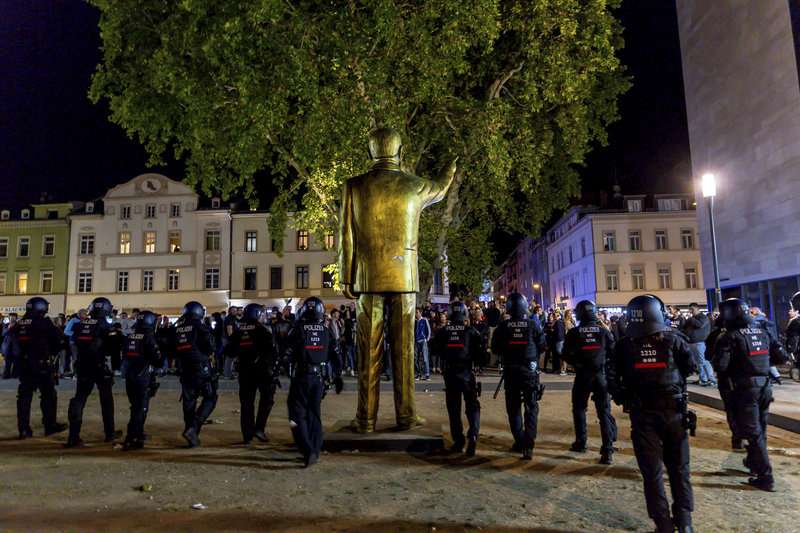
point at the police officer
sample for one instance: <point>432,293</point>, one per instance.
<point>36,340</point>
<point>518,342</point>
<point>254,346</point>
<point>143,356</point>
<point>586,348</point>
<point>99,346</point>
<point>193,343</point>
<point>649,370</point>
<point>461,348</point>
<point>310,346</point>
<point>743,355</point>
<point>725,386</point>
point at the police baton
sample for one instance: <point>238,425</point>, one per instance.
<point>499,384</point>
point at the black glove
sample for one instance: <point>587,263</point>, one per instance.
<point>338,384</point>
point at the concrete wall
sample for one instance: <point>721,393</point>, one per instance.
<point>743,107</point>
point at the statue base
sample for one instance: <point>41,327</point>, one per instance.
<point>385,438</point>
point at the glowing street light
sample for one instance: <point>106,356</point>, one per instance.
<point>709,187</point>
<point>541,293</point>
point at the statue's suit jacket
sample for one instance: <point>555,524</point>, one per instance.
<point>379,225</point>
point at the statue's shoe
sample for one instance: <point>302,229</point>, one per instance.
<point>362,426</point>
<point>411,424</point>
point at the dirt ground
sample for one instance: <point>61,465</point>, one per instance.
<point>44,487</point>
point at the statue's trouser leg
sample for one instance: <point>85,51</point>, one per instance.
<point>369,348</point>
<point>401,348</point>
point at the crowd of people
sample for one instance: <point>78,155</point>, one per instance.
<point>640,360</point>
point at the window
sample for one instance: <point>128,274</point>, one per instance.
<point>438,281</point>
<point>23,246</point>
<point>5,214</point>
<point>664,281</point>
<point>250,279</point>
<point>570,255</point>
<point>212,278</point>
<point>26,214</point>
<point>572,286</point>
<point>150,242</point>
<point>22,283</point>
<point>302,239</point>
<point>302,277</point>
<point>150,211</point>
<point>251,241</point>
<point>608,241</point>
<point>175,210</point>
<point>147,280</point>
<point>86,245</point>
<point>3,246</point>
<point>611,280</point>
<point>674,204</point>
<point>125,212</point>
<point>275,278</point>
<point>637,279</point>
<point>583,247</point>
<point>2,282</point>
<point>687,239</point>
<point>329,241</point>
<point>634,206</point>
<point>52,214</point>
<point>124,243</point>
<point>273,243</point>
<point>212,240</point>
<point>690,276</point>
<point>635,240</point>
<point>90,207</point>
<point>215,203</point>
<point>173,279</point>
<point>46,284</point>
<point>174,241</point>
<point>661,239</point>
<point>84,282</point>
<point>48,245</point>
<point>327,278</point>
<point>122,281</point>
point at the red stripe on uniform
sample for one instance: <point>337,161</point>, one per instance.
<point>759,352</point>
<point>651,365</point>
<point>131,354</point>
<point>23,338</point>
<point>591,347</point>
<point>184,347</point>
<point>455,345</point>
<point>245,343</point>
<point>85,338</point>
<point>314,347</point>
<point>517,342</point>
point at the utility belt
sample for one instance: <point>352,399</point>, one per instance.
<point>527,364</point>
<point>749,382</point>
<point>141,370</point>
<point>585,370</point>
<point>312,369</point>
<point>656,402</point>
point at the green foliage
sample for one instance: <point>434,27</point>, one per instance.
<point>519,90</point>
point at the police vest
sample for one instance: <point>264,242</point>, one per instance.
<point>755,360</point>
<point>316,340</point>
<point>456,349</point>
<point>652,366</point>
<point>520,346</point>
<point>87,337</point>
<point>186,342</point>
<point>33,347</point>
<point>135,351</point>
<point>593,353</point>
<point>250,344</point>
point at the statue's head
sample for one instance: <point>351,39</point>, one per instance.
<point>385,145</point>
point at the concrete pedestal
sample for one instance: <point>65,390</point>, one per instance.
<point>385,438</point>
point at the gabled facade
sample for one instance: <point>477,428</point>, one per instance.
<point>149,244</point>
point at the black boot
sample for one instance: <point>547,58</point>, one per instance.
<point>58,427</point>
<point>578,446</point>
<point>605,456</point>
<point>473,442</point>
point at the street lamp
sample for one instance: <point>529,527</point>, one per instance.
<point>541,293</point>
<point>709,192</point>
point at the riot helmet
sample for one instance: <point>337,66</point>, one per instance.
<point>251,313</point>
<point>646,315</point>
<point>586,311</point>
<point>146,319</point>
<point>100,308</point>
<point>458,312</point>
<point>517,306</point>
<point>312,309</point>
<point>36,307</point>
<point>796,302</point>
<point>735,313</point>
<point>194,311</point>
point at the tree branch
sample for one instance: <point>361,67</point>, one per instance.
<point>497,85</point>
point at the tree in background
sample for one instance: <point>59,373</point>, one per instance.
<point>518,90</point>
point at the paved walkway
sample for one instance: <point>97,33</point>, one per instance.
<point>784,412</point>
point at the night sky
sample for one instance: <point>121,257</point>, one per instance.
<point>54,141</point>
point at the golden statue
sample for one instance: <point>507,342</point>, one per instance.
<point>378,230</point>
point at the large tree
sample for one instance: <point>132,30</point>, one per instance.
<point>519,90</point>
